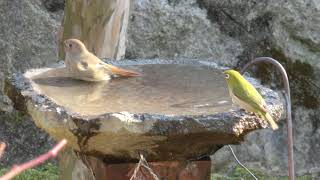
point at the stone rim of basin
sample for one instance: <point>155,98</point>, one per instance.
<point>80,130</point>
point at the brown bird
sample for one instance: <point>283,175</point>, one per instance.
<point>82,64</point>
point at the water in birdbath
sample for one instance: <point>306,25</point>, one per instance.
<point>169,89</point>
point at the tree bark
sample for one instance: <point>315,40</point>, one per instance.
<point>100,24</point>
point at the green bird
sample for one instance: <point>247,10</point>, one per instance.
<point>247,97</point>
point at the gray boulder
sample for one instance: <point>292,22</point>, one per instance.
<point>28,37</point>
<point>177,29</point>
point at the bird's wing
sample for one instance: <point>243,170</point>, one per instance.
<point>90,62</point>
<point>95,62</point>
<point>251,96</point>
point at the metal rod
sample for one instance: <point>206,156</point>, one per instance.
<point>288,106</point>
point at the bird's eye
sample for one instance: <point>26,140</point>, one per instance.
<point>227,76</point>
<point>70,45</point>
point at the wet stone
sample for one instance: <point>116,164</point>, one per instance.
<point>168,89</point>
<point>177,110</point>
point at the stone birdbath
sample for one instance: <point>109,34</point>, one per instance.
<point>176,114</point>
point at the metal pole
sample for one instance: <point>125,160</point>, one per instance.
<point>288,106</point>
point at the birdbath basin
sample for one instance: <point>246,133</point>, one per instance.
<point>177,110</point>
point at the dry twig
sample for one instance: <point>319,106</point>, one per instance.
<point>143,162</point>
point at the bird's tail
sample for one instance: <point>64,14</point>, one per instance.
<point>270,120</point>
<point>122,72</point>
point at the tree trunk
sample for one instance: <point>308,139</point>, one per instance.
<point>100,24</point>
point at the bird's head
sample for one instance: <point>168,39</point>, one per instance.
<point>74,47</point>
<point>231,76</point>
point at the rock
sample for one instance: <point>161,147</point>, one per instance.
<point>27,40</point>
<point>28,36</point>
<point>177,29</point>
<point>23,139</point>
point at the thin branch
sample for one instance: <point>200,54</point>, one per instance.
<point>17,169</point>
<point>143,163</point>
<point>243,166</point>
<point>136,170</point>
<point>146,165</point>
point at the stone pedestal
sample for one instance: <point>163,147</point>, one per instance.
<point>77,166</point>
<point>171,170</point>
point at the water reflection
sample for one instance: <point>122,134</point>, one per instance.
<point>163,89</point>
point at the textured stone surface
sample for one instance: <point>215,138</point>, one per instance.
<point>27,36</point>
<point>161,28</point>
<point>119,136</point>
<point>23,139</point>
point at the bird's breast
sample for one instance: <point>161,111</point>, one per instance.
<point>241,103</point>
